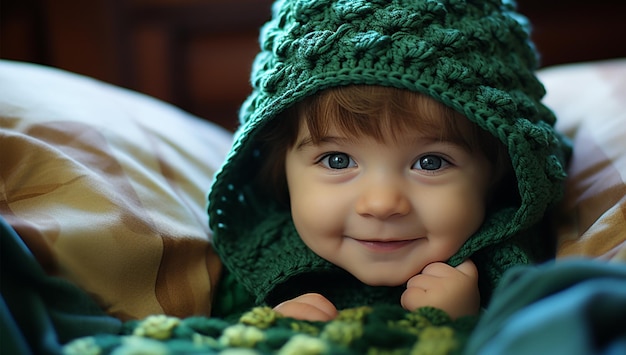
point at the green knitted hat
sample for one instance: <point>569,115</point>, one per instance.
<point>471,55</point>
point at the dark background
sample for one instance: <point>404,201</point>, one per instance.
<point>197,54</point>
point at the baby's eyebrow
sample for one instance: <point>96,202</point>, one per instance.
<point>451,141</point>
<point>308,141</point>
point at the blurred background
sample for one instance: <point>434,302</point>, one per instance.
<point>196,54</point>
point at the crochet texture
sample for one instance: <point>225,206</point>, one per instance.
<point>364,330</point>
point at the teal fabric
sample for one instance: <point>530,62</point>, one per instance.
<point>566,307</point>
<point>40,313</point>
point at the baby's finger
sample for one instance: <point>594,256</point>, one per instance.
<point>468,268</point>
<point>421,281</point>
<point>319,301</point>
<point>310,306</point>
<point>302,310</point>
<point>413,298</point>
<point>437,269</point>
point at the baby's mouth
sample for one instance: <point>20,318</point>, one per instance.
<point>385,245</point>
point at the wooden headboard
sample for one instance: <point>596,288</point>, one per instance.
<point>197,54</point>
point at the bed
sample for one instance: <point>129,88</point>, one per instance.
<point>106,248</point>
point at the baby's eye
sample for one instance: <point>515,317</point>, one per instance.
<point>337,161</point>
<point>430,162</point>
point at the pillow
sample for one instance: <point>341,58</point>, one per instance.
<point>107,188</point>
<point>589,100</point>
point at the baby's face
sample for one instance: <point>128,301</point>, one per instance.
<point>384,210</point>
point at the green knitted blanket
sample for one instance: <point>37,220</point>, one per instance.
<point>363,330</point>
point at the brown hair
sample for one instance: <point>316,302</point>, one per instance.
<point>374,111</point>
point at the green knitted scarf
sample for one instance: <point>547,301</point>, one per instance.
<point>473,56</point>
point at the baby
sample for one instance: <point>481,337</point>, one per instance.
<point>391,152</point>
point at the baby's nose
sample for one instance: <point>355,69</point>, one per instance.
<point>383,201</point>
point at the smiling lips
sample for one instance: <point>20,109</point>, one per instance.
<point>385,246</point>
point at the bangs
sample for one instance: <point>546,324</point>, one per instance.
<point>379,112</point>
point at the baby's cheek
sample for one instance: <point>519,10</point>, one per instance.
<point>454,215</point>
<point>318,226</point>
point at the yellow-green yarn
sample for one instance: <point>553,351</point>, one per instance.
<point>260,317</point>
<point>342,332</point>
<point>240,335</point>
<point>157,327</point>
<point>435,340</point>
<point>302,344</point>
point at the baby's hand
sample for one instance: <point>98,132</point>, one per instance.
<point>310,306</point>
<point>454,290</point>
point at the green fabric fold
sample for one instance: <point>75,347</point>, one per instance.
<point>40,313</point>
